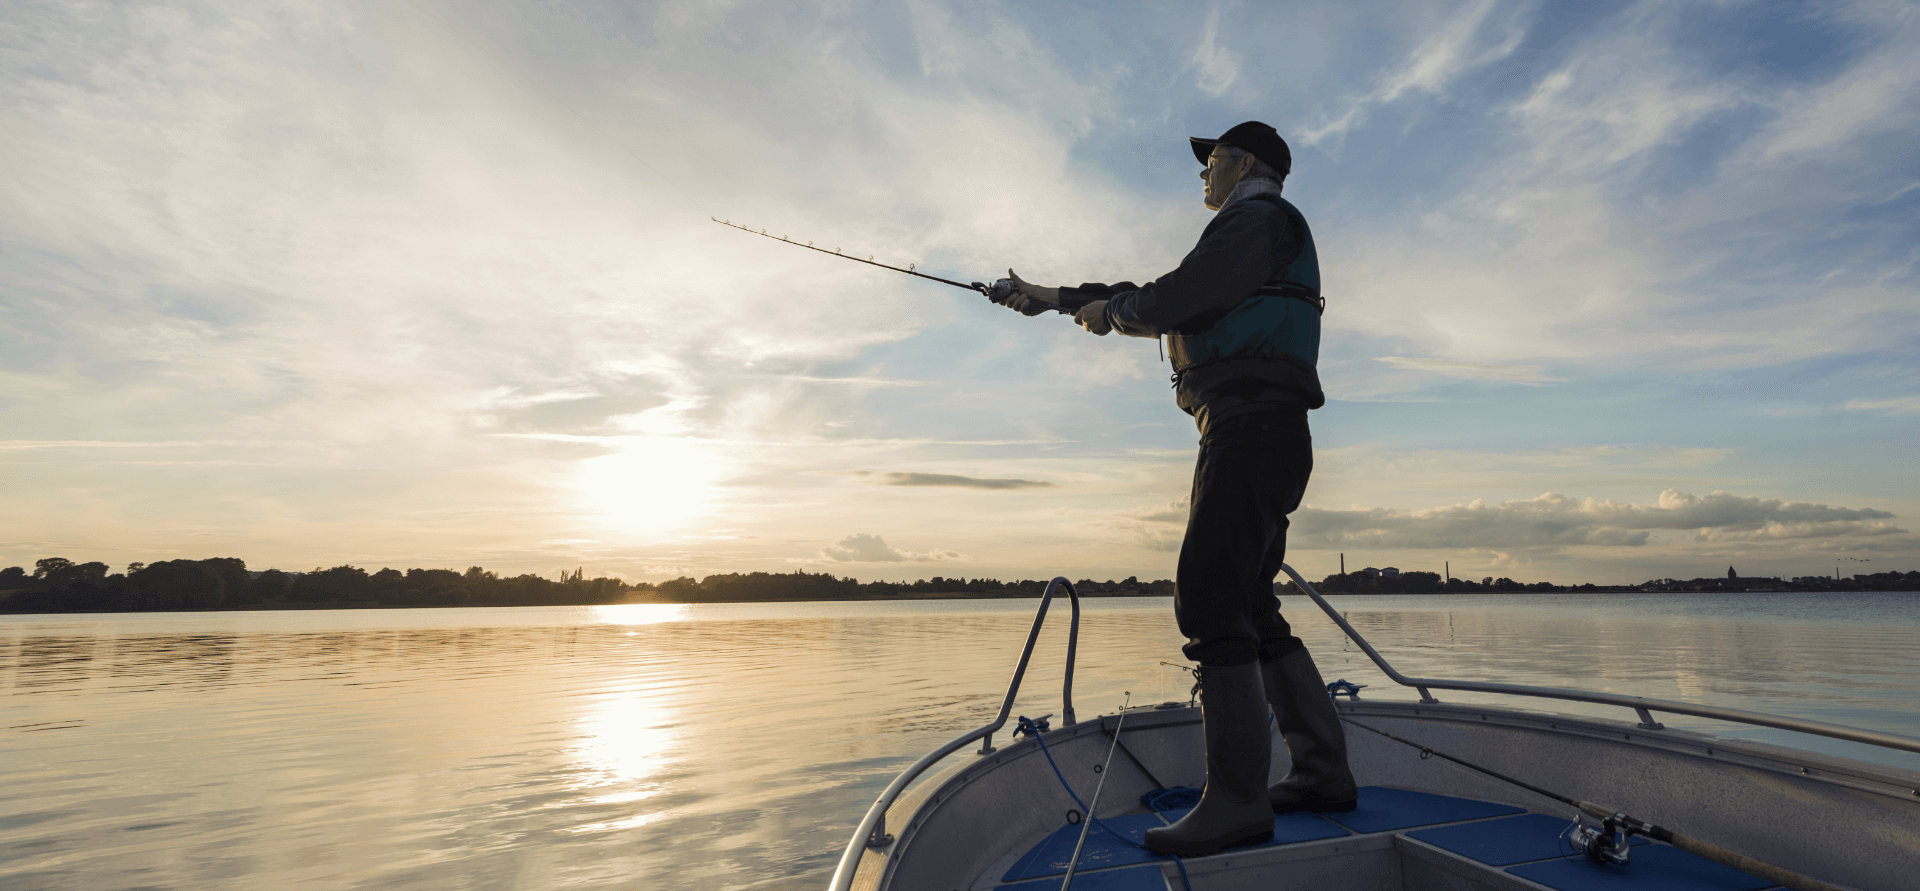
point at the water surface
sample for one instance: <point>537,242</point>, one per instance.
<point>722,746</point>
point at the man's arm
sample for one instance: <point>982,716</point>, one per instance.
<point>1239,251</point>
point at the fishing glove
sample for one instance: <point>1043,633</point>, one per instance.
<point>1030,299</point>
<point>1093,317</point>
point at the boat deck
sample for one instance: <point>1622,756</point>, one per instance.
<point>1395,839</point>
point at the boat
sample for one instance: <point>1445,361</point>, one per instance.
<point>1454,797</point>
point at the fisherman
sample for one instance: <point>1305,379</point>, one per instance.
<point>1242,318</point>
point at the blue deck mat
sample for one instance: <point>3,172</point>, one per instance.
<point>1506,841</point>
<point>1138,878</point>
<point>1382,809</point>
<point>1652,868</point>
<point>1050,856</point>
<point>1287,828</point>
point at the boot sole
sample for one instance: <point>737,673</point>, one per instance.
<point>1255,837</point>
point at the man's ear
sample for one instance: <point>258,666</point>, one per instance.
<point>1245,166</point>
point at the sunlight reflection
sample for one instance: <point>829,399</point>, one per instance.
<point>653,483</point>
<point>624,740</point>
<point>628,823</point>
<point>639,613</point>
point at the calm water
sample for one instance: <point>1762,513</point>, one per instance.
<point>728,746</point>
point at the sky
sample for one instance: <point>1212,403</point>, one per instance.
<point>1616,291</point>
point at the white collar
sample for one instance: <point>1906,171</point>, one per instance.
<point>1247,188</point>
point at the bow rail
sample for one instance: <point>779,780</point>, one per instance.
<point>872,832</point>
<point>1640,704</point>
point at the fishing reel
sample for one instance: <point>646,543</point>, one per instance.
<point>1003,290</point>
<point>999,292</point>
<point>1603,845</point>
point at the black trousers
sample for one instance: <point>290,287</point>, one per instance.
<point>1251,473</point>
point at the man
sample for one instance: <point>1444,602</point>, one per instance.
<point>1242,317</point>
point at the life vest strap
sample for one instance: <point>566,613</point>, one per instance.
<point>1297,292</point>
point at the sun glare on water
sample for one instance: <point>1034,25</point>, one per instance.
<point>653,484</point>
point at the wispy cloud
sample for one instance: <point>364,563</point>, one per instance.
<point>1519,374</point>
<point>1217,66</point>
<point>1453,47</point>
<point>857,381</point>
<point>969,482</point>
<point>123,444</point>
<point>1898,405</point>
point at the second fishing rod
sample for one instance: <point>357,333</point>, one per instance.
<point>1607,844</point>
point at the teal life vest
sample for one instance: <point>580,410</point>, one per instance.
<point>1280,318</point>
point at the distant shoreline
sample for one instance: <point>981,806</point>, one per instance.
<point>917,596</point>
<point>58,586</point>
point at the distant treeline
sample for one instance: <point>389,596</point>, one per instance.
<point>1417,582</point>
<point>1431,583</point>
<point>58,585</point>
<point>759,586</point>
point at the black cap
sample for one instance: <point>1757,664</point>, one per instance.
<point>1263,141</point>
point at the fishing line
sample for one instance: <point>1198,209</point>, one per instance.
<point>551,96</point>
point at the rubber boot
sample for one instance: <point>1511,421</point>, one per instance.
<point>1233,807</point>
<point>1319,779</point>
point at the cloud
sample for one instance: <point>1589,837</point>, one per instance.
<point>116,444</point>
<point>862,547</point>
<point>1158,527</point>
<point>1557,521</point>
<point>857,381</point>
<point>1899,405</point>
<point>1219,66</point>
<point>971,482</point>
<point>1170,512</point>
<point>1519,374</point>
<point>1448,51</point>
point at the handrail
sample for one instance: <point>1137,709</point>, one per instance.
<point>1639,704</point>
<point>872,831</point>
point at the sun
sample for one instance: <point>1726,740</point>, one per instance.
<point>652,484</point>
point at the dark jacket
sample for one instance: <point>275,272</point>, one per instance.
<point>1247,244</point>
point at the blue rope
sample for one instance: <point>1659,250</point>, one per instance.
<point>1171,799</point>
<point>1184,880</point>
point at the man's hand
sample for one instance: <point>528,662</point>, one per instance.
<point>1030,299</point>
<point>1093,317</point>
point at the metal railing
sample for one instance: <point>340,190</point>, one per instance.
<point>873,827</point>
<point>1640,704</point>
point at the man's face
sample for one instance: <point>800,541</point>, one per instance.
<point>1222,174</point>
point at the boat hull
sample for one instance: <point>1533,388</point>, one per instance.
<point>1844,822</point>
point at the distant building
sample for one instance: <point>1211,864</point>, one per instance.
<point>1731,574</point>
<point>1390,572</point>
<point>1370,572</point>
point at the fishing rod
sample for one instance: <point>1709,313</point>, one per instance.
<point>1606,845</point>
<point>999,292</point>
<point>1073,865</point>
